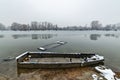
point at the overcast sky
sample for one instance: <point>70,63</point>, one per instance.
<point>61,12</point>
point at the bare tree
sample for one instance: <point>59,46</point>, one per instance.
<point>95,25</point>
<point>2,27</point>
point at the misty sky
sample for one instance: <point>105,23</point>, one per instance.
<point>61,12</point>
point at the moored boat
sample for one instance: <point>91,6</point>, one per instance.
<point>57,60</point>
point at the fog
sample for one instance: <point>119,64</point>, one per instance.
<point>61,12</point>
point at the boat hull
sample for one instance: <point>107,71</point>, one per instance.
<point>38,55</point>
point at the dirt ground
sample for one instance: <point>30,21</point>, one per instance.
<point>84,73</point>
<point>8,71</point>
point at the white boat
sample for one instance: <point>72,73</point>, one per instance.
<point>42,49</point>
<point>61,42</point>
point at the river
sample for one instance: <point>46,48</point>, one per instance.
<point>106,43</point>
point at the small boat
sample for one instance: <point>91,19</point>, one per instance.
<point>51,45</point>
<point>61,42</point>
<point>57,60</point>
<point>42,48</point>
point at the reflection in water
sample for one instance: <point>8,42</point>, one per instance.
<point>16,36</point>
<point>1,36</point>
<point>95,36</point>
<point>34,36</point>
<point>111,35</point>
<point>43,36</point>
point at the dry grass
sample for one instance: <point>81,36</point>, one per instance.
<point>59,74</point>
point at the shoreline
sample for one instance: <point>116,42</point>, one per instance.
<point>10,72</point>
<point>82,73</point>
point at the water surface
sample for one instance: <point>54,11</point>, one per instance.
<point>14,43</point>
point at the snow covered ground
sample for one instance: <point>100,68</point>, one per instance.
<point>107,73</point>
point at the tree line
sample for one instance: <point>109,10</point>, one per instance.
<point>94,25</point>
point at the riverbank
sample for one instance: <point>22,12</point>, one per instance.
<point>83,73</point>
<point>9,71</point>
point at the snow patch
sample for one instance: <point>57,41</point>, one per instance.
<point>96,57</point>
<point>106,73</point>
<point>95,77</point>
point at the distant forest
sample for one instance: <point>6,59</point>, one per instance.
<point>94,25</point>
